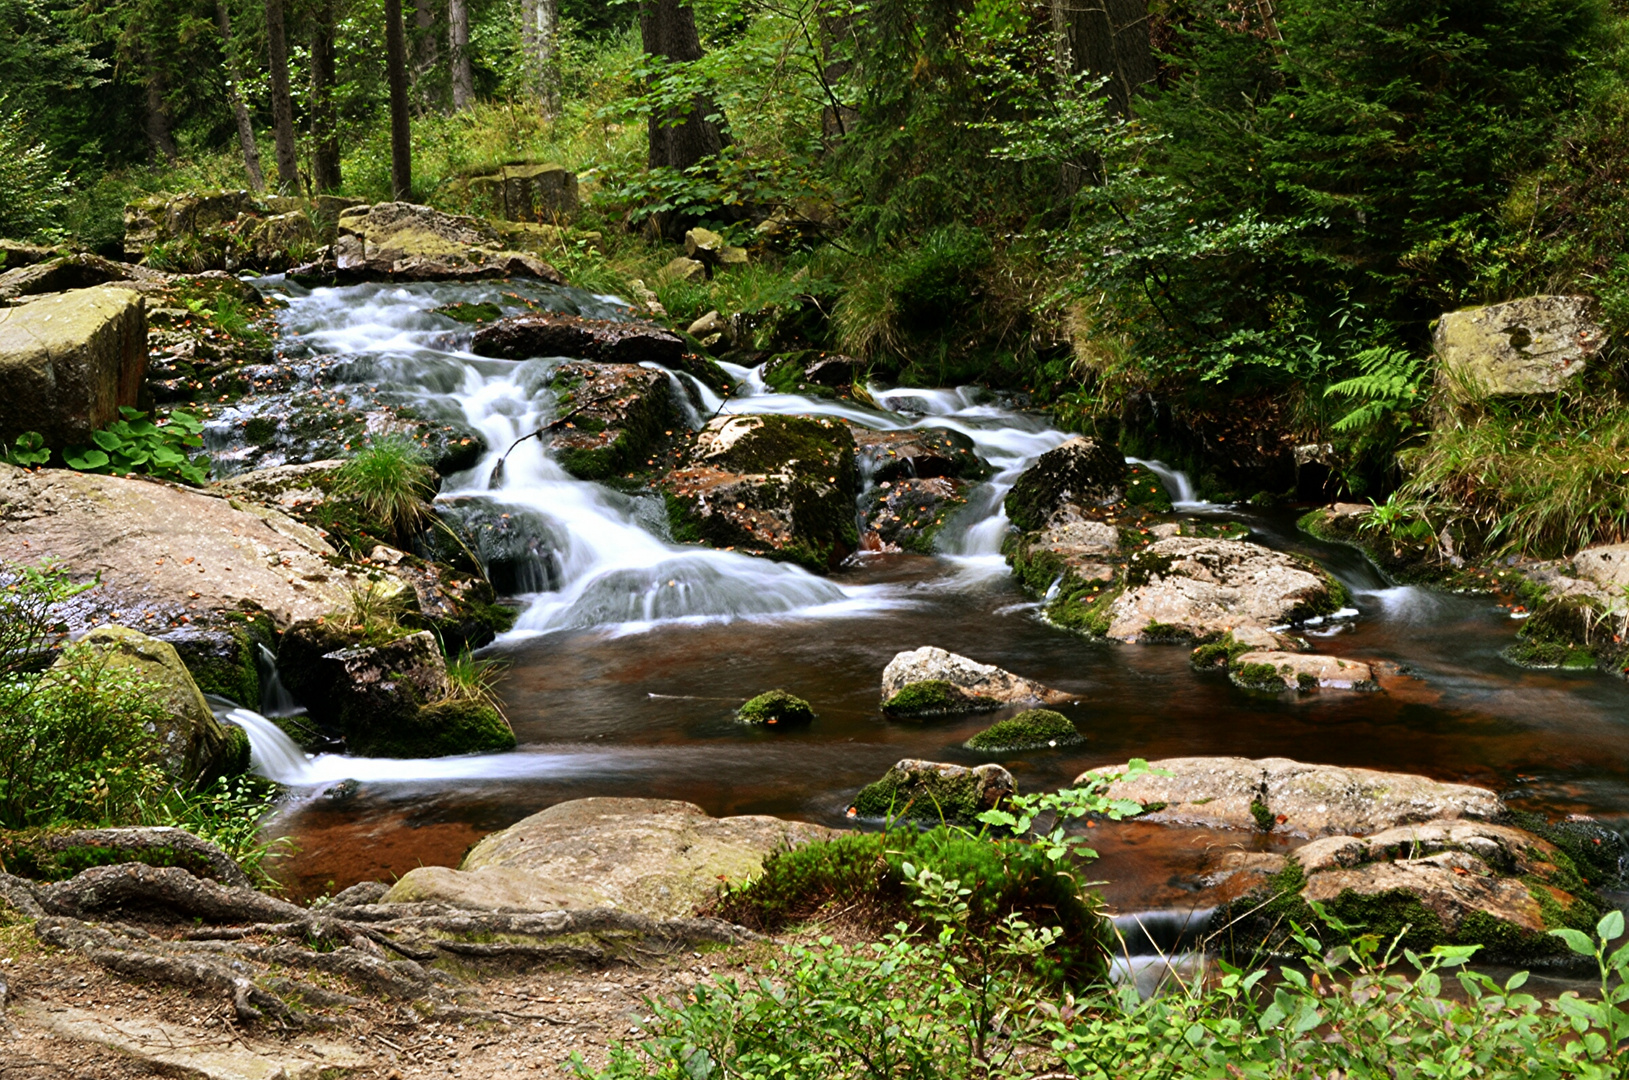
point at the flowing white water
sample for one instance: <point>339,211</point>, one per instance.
<point>1184,496</point>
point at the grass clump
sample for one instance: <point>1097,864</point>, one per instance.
<point>777,707</point>
<point>935,697</point>
<point>1033,729</point>
<point>391,483</point>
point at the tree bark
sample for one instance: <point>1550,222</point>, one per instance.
<point>401,133</point>
<point>234,96</point>
<point>282,99</point>
<point>463,81</point>
<point>1107,39</point>
<point>679,138</point>
<point>324,128</point>
<point>426,47</point>
<point>540,23</point>
<point>158,118</point>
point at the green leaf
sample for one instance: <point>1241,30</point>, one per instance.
<point>1610,928</point>
<point>87,460</point>
<point>1576,940</point>
<point>107,440</point>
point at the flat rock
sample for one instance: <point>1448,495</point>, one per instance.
<point>919,453</point>
<point>930,664</point>
<point>522,337</point>
<point>655,857</point>
<point>1300,671</point>
<point>406,242</point>
<point>67,363</point>
<point>1528,346</point>
<point>1299,799</point>
<point>287,487</point>
<point>167,553</point>
<point>193,1052</point>
<point>1192,587</point>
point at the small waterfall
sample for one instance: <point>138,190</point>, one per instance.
<point>1177,485</point>
<point>272,753</point>
<point>275,700</point>
<point>1158,948</point>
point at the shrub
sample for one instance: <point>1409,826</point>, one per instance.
<point>32,191</point>
<point>135,444</point>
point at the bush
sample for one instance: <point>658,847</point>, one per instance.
<point>31,190</point>
<point>391,484</point>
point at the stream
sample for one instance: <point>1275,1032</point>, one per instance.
<point>631,652</point>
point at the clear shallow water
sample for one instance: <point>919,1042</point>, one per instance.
<point>629,660</point>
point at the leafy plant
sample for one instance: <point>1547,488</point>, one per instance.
<point>1388,388</point>
<point>29,450</point>
<point>389,480</point>
<point>32,189</point>
<point>136,444</point>
<point>1397,519</point>
<point>229,813</point>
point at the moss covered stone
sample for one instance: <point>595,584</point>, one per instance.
<point>934,793</point>
<point>777,708</point>
<point>1569,633</point>
<point>1263,677</point>
<point>1083,471</point>
<point>935,697</point>
<point>437,730</point>
<point>1218,654</point>
<point>1033,729</point>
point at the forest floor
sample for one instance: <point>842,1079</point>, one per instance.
<point>70,1018</point>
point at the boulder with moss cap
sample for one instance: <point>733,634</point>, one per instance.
<point>1082,472</point>
<point>1279,671</point>
<point>776,708</point>
<point>934,792</point>
<point>931,681</point>
<point>1032,729</point>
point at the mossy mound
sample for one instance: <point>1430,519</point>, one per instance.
<point>778,708</point>
<point>934,793</point>
<point>935,697</point>
<point>470,313</point>
<point>1033,729</point>
<point>1569,633</point>
<point>1264,678</point>
<point>458,726</point>
<point>1219,654</point>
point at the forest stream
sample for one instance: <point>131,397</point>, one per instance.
<point>631,652</point>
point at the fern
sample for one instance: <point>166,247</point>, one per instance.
<point>1390,384</point>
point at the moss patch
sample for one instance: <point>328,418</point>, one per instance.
<point>778,708</point>
<point>438,730</point>
<point>929,799</point>
<point>934,697</point>
<point>1262,677</point>
<point>1034,729</point>
<point>1218,654</point>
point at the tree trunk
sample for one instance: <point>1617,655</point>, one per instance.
<point>463,82</point>
<point>678,138</point>
<point>158,118</point>
<point>324,133</point>
<point>837,71</point>
<point>401,133</point>
<point>282,100</point>
<point>539,25</point>
<point>1107,39</point>
<point>427,51</point>
<point>234,96</point>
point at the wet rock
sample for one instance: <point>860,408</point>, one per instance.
<point>934,792</point>
<point>68,363</point>
<point>1292,798</point>
<point>919,453</point>
<point>776,708</point>
<point>609,417</point>
<point>290,488</point>
<point>222,656</point>
<point>907,515</point>
<point>1279,671</point>
<point>1188,588</point>
<point>522,337</point>
<point>528,192</point>
<point>406,242</point>
<point>192,743</point>
<point>387,698</point>
<point>655,857</point>
<point>1449,882</point>
<point>168,555</point>
<point>1076,553</point>
<point>69,272</point>
<point>514,544</point>
<point>805,371</point>
<point>936,697</point>
<point>1528,346</point>
<point>1032,729</point>
<point>779,486</point>
<point>1082,472</point>
<point>929,665</point>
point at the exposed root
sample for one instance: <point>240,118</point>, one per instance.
<point>164,890</point>
<point>199,855</point>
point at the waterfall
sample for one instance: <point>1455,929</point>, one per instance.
<point>275,700</point>
<point>1176,484</point>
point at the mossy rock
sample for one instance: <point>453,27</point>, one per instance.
<point>1033,729</point>
<point>222,659</point>
<point>934,793</point>
<point>1087,471</point>
<point>934,697</point>
<point>440,729</point>
<point>1218,654</point>
<point>470,313</point>
<point>1143,491</point>
<point>1264,678</point>
<point>777,708</point>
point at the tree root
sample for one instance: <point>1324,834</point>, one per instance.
<point>166,890</point>
<point>170,841</point>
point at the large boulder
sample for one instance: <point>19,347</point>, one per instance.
<point>528,192</point>
<point>779,486</point>
<point>168,555</point>
<point>653,857</point>
<point>609,417</point>
<point>917,453</point>
<point>1083,472</point>
<point>932,792</point>
<point>932,681</point>
<point>1291,798</point>
<point>522,337</point>
<point>1192,588</point>
<point>192,743</point>
<point>67,363</point>
<point>1450,882</point>
<point>1528,346</point>
<point>405,242</point>
<point>69,272</point>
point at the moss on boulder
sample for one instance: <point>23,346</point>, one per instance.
<point>1081,472</point>
<point>936,697</point>
<point>777,707</point>
<point>934,793</point>
<point>1033,729</point>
